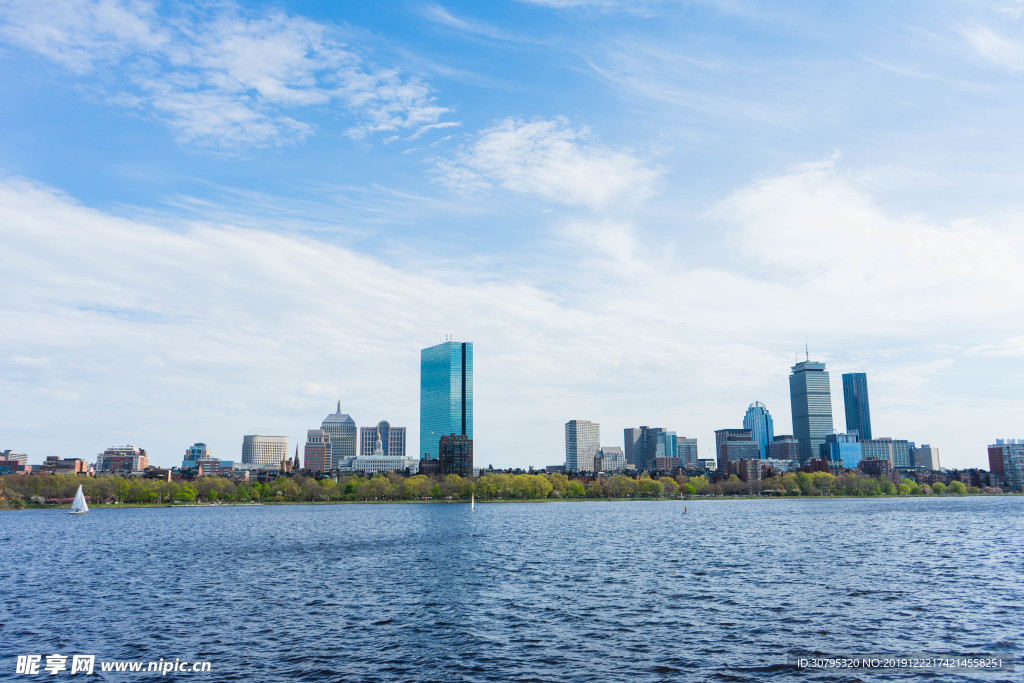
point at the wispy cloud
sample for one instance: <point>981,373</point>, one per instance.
<point>550,159</point>
<point>996,48</point>
<point>220,78</point>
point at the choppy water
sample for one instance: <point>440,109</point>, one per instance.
<point>592,591</point>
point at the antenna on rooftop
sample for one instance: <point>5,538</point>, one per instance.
<point>807,352</point>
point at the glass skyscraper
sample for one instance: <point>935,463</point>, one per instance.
<point>446,394</point>
<point>811,399</point>
<point>855,400</point>
<point>759,421</point>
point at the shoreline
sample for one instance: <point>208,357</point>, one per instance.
<point>38,506</point>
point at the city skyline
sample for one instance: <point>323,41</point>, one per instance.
<point>217,221</point>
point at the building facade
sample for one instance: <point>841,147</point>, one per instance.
<point>899,452</point>
<point>342,430</point>
<point>927,457</point>
<point>446,395</point>
<point>582,442</point>
<point>122,459</point>
<point>855,403</point>
<point>392,439</point>
<point>1006,462</point>
<point>642,446</point>
<point>784,447</point>
<point>456,455</point>
<point>759,421</point>
<point>259,450</point>
<point>686,449</point>
<point>733,445</point>
<point>317,452</point>
<point>811,399</point>
<point>610,459</point>
<point>844,448</point>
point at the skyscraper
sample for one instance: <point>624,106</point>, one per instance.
<point>264,450</point>
<point>341,429</point>
<point>446,394</point>
<point>811,399</point>
<point>759,421</point>
<point>642,446</point>
<point>582,442</point>
<point>855,401</point>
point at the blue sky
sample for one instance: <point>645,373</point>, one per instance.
<point>216,218</point>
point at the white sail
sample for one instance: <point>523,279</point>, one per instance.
<point>472,501</point>
<point>79,507</point>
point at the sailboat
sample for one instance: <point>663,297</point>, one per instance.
<point>79,507</point>
<point>472,501</point>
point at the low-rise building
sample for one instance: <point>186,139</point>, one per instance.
<point>122,460</point>
<point>57,465</point>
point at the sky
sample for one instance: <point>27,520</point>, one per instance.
<point>219,219</point>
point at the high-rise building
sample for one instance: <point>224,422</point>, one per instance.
<point>1006,462</point>
<point>342,430</point>
<point>456,455</point>
<point>844,448</point>
<point>759,421</point>
<point>317,451</point>
<point>262,450</point>
<point>811,399</point>
<point>733,445</point>
<point>855,401</point>
<point>687,451</point>
<point>631,443</point>
<point>392,439</point>
<point>926,456</point>
<point>642,446</point>
<point>446,394</point>
<point>582,441</point>
<point>784,447</point>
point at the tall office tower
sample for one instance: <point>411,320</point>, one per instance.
<point>264,450</point>
<point>582,441</point>
<point>855,400</point>
<point>759,421</point>
<point>318,450</point>
<point>687,450</point>
<point>733,445</point>
<point>342,430</point>
<point>392,439</point>
<point>811,399</point>
<point>446,394</point>
<point>642,447</point>
<point>631,441</point>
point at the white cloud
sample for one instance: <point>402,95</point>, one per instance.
<point>220,78</point>
<point>1003,51</point>
<point>120,330</point>
<point>552,160</point>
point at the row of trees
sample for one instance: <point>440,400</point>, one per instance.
<point>15,490</point>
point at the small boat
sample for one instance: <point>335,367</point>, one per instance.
<point>472,502</point>
<point>79,506</point>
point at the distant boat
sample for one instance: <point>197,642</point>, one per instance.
<point>472,502</point>
<point>79,507</point>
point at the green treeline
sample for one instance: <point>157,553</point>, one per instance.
<point>18,490</point>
